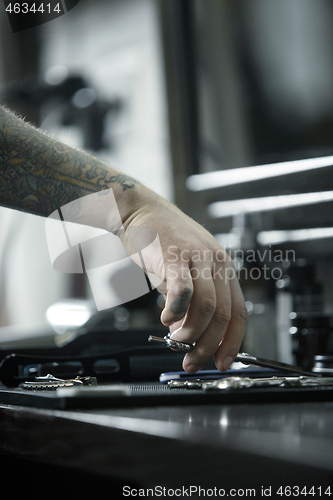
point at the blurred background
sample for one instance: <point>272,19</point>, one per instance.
<point>224,107</point>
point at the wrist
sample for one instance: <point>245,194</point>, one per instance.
<point>127,204</point>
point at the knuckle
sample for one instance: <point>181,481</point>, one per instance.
<point>242,313</point>
<point>208,306</point>
<point>222,316</point>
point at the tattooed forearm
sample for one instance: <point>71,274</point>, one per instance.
<point>38,174</point>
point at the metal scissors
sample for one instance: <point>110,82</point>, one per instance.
<point>246,359</point>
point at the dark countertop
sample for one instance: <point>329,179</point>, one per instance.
<point>219,445</point>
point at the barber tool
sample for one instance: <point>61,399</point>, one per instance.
<point>173,344</point>
<point>49,382</point>
<point>246,359</point>
<point>247,382</point>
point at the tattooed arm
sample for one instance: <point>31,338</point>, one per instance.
<point>39,174</point>
<point>204,303</point>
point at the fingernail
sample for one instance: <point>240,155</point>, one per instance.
<point>192,368</point>
<point>227,363</point>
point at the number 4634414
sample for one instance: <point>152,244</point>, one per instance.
<point>25,8</point>
<point>297,491</point>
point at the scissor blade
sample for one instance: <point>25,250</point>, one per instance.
<point>247,359</point>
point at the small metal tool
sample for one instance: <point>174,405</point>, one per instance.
<point>49,382</point>
<point>228,383</point>
<point>242,357</point>
<point>247,382</point>
<point>173,344</point>
<point>248,359</point>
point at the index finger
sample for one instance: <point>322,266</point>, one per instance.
<point>179,294</point>
<point>201,308</point>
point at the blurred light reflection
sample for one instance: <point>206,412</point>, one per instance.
<point>223,178</point>
<point>230,208</point>
<point>276,237</point>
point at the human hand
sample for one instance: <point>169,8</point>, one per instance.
<point>204,302</point>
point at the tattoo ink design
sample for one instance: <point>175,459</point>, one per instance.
<point>39,174</point>
<point>181,303</point>
<point>125,181</point>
